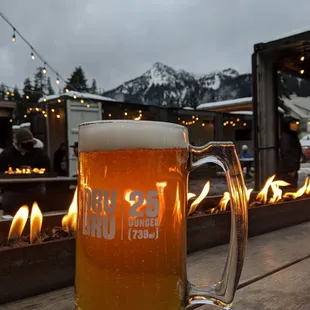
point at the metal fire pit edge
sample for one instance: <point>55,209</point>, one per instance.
<point>36,269</point>
<point>208,231</point>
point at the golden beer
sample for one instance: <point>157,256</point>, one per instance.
<point>131,228</point>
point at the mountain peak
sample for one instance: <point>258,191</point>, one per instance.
<point>163,85</point>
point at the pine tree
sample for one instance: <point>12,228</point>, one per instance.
<point>21,109</point>
<point>93,88</point>
<point>27,90</point>
<point>77,81</point>
<point>192,101</point>
<point>40,82</point>
<point>2,91</point>
<point>49,87</point>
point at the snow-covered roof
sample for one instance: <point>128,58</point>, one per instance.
<point>71,94</point>
<point>223,104</point>
<point>251,112</point>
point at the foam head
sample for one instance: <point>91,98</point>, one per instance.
<point>123,135</point>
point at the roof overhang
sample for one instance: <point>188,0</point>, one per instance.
<point>7,104</point>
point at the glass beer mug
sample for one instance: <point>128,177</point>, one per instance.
<point>132,212</point>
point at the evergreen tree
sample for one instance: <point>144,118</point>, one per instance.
<point>93,88</point>
<point>21,109</point>
<point>49,87</point>
<point>40,82</point>
<point>2,91</point>
<point>192,100</point>
<point>77,81</point>
<point>27,90</point>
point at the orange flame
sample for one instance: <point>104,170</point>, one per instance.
<point>162,206</point>
<point>177,210</point>
<point>19,222</point>
<point>277,192</point>
<point>203,194</point>
<point>224,201</point>
<point>299,192</point>
<point>226,198</point>
<point>69,220</point>
<point>25,171</point>
<point>36,219</point>
<point>262,196</point>
<point>190,195</point>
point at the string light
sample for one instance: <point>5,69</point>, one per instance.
<point>59,100</point>
<point>14,35</point>
<point>44,69</point>
<point>58,116</point>
<point>53,110</point>
<point>67,90</point>
<point>302,71</point>
<point>110,114</point>
<point>88,105</point>
<point>34,52</point>
<point>82,101</point>
<point>57,79</point>
<point>125,113</point>
<point>74,96</point>
<point>302,58</point>
<point>27,97</point>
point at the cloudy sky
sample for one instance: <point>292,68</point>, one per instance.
<point>117,40</point>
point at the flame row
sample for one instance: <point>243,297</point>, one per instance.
<point>20,220</point>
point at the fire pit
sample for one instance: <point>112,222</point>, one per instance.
<point>37,253</point>
<point>208,223</point>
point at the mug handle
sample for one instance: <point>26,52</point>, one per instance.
<point>222,293</point>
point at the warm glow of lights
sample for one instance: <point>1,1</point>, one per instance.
<point>19,222</point>
<point>125,113</point>
<point>302,71</point>
<point>302,58</point>
<point>244,124</point>
<point>27,97</point>
<point>53,110</point>
<point>238,119</point>
<point>58,116</point>
<point>74,96</point>
<point>36,220</point>
<point>82,101</point>
<point>59,100</point>
<point>110,115</point>
<point>69,220</point>
<point>67,90</point>
<point>88,105</point>
<point>203,194</point>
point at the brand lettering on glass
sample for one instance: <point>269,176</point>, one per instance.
<point>99,214</point>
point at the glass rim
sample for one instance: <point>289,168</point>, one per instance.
<point>123,121</point>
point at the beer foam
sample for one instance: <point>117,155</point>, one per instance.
<point>123,135</point>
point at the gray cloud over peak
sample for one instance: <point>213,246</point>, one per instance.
<point>117,40</point>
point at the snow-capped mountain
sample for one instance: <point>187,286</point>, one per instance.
<point>164,86</point>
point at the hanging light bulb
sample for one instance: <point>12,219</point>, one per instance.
<point>88,105</point>
<point>44,69</point>
<point>59,100</point>
<point>302,71</point>
<point>74,96</point>
<point>67,90</point>
<point>14,35</point>
<point>32,56</point>
<point>27,97</point>
<point>58,116</point>
<point>302,58</point>
<point>44,99</point>
<point>82,101</point>
<point>57,80</point>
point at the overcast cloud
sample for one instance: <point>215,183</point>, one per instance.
<point>117,40</point>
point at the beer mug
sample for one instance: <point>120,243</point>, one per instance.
<point>132,212</point>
